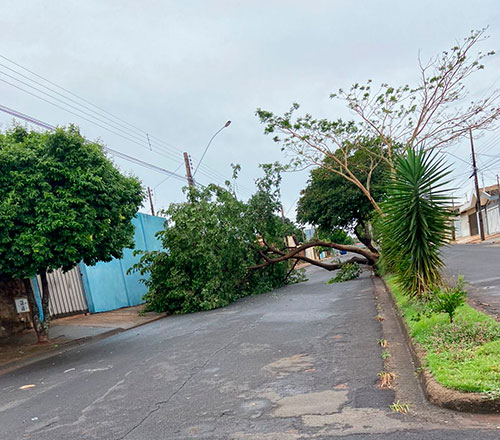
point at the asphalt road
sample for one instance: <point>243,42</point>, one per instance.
<point>480,265</point>
<point>299,362</point>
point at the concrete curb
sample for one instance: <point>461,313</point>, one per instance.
<point>68,346</point>
<point>434,391</point>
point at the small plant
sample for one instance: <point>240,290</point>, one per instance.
<point>385,354</point>
<point>382,343</point>
<point>379,318</point>
<point>348,271</point>
<point>386,378</point>
<point>402,408</point>
<point>450,299</point>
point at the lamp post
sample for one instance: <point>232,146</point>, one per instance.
<point>227,124</point>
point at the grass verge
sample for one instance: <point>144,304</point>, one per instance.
<point>463,355</point>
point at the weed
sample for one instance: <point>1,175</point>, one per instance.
<point>379,318</point>
<point>382,343</point>
<point>402,408</point>
<point>385,354</point>
<point>449,299</point>
<point>386,378</point>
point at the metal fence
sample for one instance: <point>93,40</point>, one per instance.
<point>66,293</point>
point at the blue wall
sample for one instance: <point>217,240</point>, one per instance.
<point>107,285</point>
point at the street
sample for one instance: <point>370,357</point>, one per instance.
<point>299,362</point>
<point>480,265</point>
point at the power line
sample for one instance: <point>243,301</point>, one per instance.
<point>139,135</point>
<point>105,148</point>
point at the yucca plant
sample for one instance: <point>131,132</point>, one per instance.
<point>417,222</point>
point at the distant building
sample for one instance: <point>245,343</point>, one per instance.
<point>466,224</point>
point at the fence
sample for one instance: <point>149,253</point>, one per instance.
<point>67,296</point>
<point>108,286</point>
<point>105,286</point>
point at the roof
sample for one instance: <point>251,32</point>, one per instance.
<point>491,192</point>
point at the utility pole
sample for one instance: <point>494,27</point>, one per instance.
<point>282,214</point>
<point>485,207</point>
<point>498,186</point>
<point>453,235</point>
<point>188,170</point>
<point>151,201</point>
<point>476,184</point>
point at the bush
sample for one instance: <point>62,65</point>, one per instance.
<point>348,271</point>
<point>416,222</point>
<point>449,299</point>
<point>210,242</point>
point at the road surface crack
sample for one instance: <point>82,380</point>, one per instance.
<point>193,373</point>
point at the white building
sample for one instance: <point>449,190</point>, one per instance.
<point>466,224</point>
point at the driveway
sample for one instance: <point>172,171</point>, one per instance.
<point>480,265</point>
<point>299,362</point>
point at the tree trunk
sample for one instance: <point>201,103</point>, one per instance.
<point>363,234</point>
<point>40,330</point>
<point>273,255</point>
<point>45,300</point>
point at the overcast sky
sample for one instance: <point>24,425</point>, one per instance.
<point>179,70</point>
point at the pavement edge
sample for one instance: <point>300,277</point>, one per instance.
<point>436,393</point>
<point>68,346</point>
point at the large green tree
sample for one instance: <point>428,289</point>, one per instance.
<point>430,114</point>
<point>330,202</point>
<point>62,201</point>
<point>219,248</point>
<point>210,242</point>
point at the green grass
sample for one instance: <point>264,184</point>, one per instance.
<point>464,355</point>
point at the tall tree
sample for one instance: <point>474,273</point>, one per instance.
<point>431,115</point>
<point>62,201</point>
<point>330,202</point>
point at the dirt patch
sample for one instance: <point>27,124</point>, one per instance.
<point>325,402</point>
<point>293,364</point>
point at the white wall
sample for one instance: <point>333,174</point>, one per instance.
<point>493,219</point>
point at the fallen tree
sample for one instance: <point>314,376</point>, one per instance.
<point>221,248</point>
<point>272,255</point>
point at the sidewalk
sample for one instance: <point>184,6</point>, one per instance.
<point>68,332</point>
<point>475,239</point>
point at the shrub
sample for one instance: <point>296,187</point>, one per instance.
<point>416,222</point>
<point>449,300</point>
<point>210,242</point>
<point>348,271</point>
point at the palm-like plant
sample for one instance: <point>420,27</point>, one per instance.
<point>416,223</point>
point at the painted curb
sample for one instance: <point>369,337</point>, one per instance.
<point>436,393</point>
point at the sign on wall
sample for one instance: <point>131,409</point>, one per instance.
<point>22,305</point>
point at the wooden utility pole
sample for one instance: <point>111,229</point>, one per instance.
<point>476,184</point>
<point>498,186</point>
<point>485,207</point>
<point>453,235</point>
<point>188,170</point>
<point>151,201</point>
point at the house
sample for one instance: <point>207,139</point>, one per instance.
<point>467,224</point>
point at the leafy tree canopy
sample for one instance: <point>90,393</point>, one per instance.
<point>212,240</point>
<point>430,114</point>
<point>61,201</point>
<point>331,202</point>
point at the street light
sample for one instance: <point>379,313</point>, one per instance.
<point>227,124</point>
